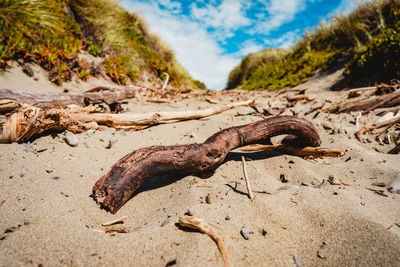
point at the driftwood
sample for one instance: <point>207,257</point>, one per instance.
<point>27,122</point>
<point>317,152</point>
<point>368,104</point>
<point>376,125</point>
<point>117,186</point>
<point>199,224</point>
<point>12,99</point>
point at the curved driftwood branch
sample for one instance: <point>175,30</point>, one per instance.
<point>29,121</point>
<point>12,99</point>
<point>125,176</point>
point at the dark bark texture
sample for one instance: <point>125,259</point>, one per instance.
<point>116,187</point>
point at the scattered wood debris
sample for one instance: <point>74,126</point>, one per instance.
<point>376,125</point>
<point>334,181</point>
<point>29,121</point>
<point>112,229</point>
<point>246,178</point>
<point>199,224</point>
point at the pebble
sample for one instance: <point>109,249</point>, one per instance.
<point>29,148</point>
<point>394,186</point>
<point>227,218</point>
<point>208,198</point>
<point>164,223</point>
<point>71,139</point>
<point>327,126</point>
<point>189,213</point>
<point>245,232</point>
<point>90,131</point>
<point>264,232</point>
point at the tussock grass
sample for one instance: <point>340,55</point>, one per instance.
<point>53,33</point>
<point>369,35</point>
<point>126,38</point>
<point>251,63</point>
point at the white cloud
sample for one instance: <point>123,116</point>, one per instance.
<point>280,12</point>
<point>194,48</point>
<point>172,6</point>
<point>230,14</point>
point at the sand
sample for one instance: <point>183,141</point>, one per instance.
<point>48,218</point>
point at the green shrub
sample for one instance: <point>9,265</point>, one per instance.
<point>379,60</point>
<point>93,48</point>
<point>370,32</point>
<point>121,68</point>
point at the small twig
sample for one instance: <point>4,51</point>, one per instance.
<point>119,220</point>
<point>246,178</point>
<point>298,151</point>
<point>358,120</point>
<point>362,89</point>
<point>379,192</point>
<point>165,82</point>
<point>199,224</point>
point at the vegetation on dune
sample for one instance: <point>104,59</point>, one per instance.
<point>54,33</point>
<point>369,36</point>
<point>40,32</point>
<point>251,63</point>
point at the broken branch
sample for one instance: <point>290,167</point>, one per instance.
<point>116,187</point>
<point>199,224</point>
<point>297,151</point>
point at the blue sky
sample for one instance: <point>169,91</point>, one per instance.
<point>210,37</point>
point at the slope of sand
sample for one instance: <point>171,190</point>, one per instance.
<point>48,217</point>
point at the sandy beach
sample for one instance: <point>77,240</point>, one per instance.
<point>47,217</point>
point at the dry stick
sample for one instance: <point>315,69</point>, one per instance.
<point>30,121</point>
<point>116,187</point>
<point>362,89</point>
<point>199,224</point>
<point>115,221</point>
<point>376,125</point>
<point>166,81</point>
<point>246,178</point>
<point>297,151</point>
